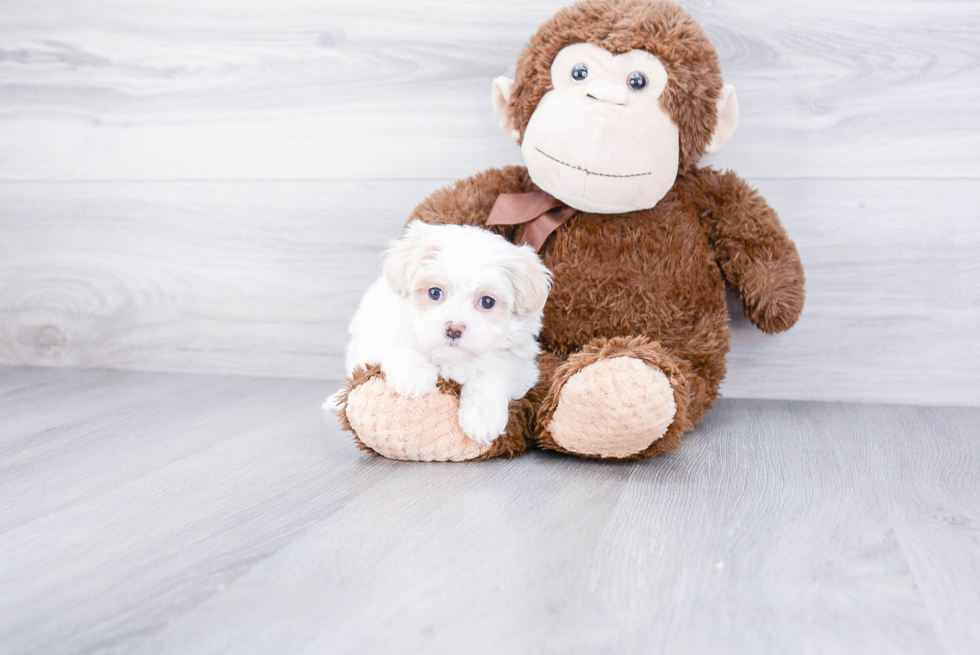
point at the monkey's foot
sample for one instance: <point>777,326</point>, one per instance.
<point>613,402</point>
<point>420,429</point>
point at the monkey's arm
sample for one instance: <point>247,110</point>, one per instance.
<point>756,256</point>
<point>469,201</point>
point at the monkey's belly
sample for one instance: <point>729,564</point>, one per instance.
<point>634,274</point>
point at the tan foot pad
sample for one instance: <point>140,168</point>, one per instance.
<point>613,408</point>
<point>422,429</point>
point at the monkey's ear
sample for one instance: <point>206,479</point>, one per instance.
<point>727,118</point>
<point>500,94</point>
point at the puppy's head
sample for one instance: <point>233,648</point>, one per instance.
<point>472,290</point>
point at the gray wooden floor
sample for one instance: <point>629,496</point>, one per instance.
<point>150,512</point>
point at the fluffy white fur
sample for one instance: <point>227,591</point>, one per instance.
<point>409,329</point>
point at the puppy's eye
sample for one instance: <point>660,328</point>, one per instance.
<point>579,72</point>
<point>486,302</point>
<point>435,293</point>
<point>637,81</point>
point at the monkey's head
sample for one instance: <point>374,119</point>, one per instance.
<point>612,100</point>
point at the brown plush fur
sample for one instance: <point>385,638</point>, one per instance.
<point>658,274</point>
<point>648,284</point>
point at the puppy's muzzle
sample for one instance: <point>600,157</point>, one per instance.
<point>454,330</point>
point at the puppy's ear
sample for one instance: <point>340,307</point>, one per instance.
<point>531,280</point>
<point>405,255</point>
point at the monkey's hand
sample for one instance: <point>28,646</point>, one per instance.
<point>772,290</point>
<point>756,256</point>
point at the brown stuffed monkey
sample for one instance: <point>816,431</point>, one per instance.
<point>614,103</point>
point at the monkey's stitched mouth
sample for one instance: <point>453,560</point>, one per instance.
<point>585,170</point>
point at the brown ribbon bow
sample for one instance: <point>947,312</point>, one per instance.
<point>540,210</point>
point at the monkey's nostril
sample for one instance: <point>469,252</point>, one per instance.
<point>604,91</point>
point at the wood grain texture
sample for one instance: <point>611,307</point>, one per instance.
<point>304,89</point>
<point>262,278</point>
<point>242,267</point>
<point>160,513</point>
<point>243,277</point>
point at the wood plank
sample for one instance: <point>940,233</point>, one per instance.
<point>47,465</point>
<point>262,278</point>
<point>240,464</point>
<point>166,276</point>
<point>234,519</point>
<point>932,494</point>
<point>788,521</point>
<point>296,89</point>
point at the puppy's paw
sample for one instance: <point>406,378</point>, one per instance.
<point>482,422</point>
<point>332,404</point>
<point>413,380</point>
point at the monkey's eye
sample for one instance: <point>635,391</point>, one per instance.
<point>435,293</point>
<point>486,302</point>
<point>579,72</point>
<point>637,81</point>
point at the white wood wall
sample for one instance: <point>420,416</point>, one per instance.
<point>206,185</point>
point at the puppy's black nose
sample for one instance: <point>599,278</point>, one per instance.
<point>454,330</point>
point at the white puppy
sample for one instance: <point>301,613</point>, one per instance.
<point>458,302</point>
